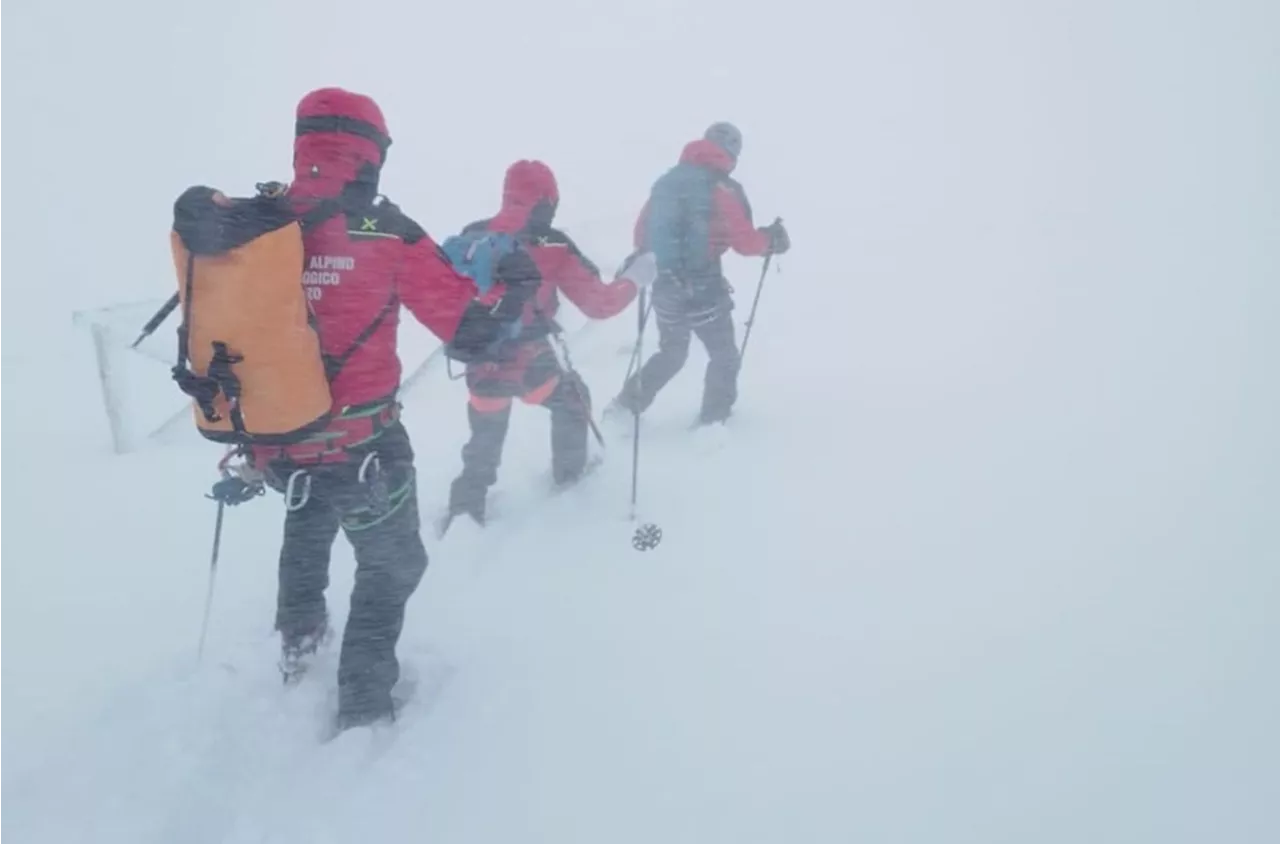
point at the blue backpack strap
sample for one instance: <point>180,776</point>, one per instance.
<point>476,254</point>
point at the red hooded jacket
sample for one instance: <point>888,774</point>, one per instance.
<point>369,257</point>
<point>731,223</point>
<point>529,199</point>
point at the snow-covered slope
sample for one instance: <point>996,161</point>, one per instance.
<point>987,554</point>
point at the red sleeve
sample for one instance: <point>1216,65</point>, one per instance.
<point>581,283</point>
<point>432,290</point>
<point>744,237</point>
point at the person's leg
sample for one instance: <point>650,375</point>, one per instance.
<point>491,388</point>
<point>301,613</point>
<point>720,388</point>
<point>546,383</point>
<point>381,520</point>
<point>570,406</point>
<point>673,350</point>
<point>481,456</point>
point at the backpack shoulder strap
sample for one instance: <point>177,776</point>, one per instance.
<point>334,365</point>
<point>184,327</point>
<point>395,223</point>
<point>321,212</point>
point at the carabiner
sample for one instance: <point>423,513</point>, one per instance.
<point>289,503</point>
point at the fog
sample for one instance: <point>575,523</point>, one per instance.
<point>1002,513</point>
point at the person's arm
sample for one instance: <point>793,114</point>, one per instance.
<point>580,280</point>
<point>638,233</point>
<point>744,237</point>
<point>446,302</point>
<point>435,293</point>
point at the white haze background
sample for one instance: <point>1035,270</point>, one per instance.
<point>990,552</point>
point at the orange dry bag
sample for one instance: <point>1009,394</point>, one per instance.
<point>248,354</point>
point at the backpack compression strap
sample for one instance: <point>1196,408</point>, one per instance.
<point>322,211</point>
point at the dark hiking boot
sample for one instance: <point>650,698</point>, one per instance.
<point>560,484</point>
<point>711,417</point>
<point>625,403</point>
<point>467,498</point>
<point>297,653</point>
<point>360,706</point>
<point>618,419</point>
<point>348,720</point>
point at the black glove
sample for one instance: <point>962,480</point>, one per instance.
<point>484,329</point>
<point>520,279</point>
<point>779,240</point>
<point>479,333</point>
<point>519,275</point>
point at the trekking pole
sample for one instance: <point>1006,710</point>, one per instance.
<point>635,350</point>
<point>751,319</point>
<point>647,536</point>
<point>156,319</point>
<point>213,571</point>
<point>643,311</point>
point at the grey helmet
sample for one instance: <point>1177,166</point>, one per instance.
<point>727,137</point>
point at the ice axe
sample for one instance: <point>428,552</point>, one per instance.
<point>159,317</point>
<point>238,485</point>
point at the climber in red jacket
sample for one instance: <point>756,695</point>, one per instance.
<point>529,368</point>
<point>695,213</point>
<point>363,259</point>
